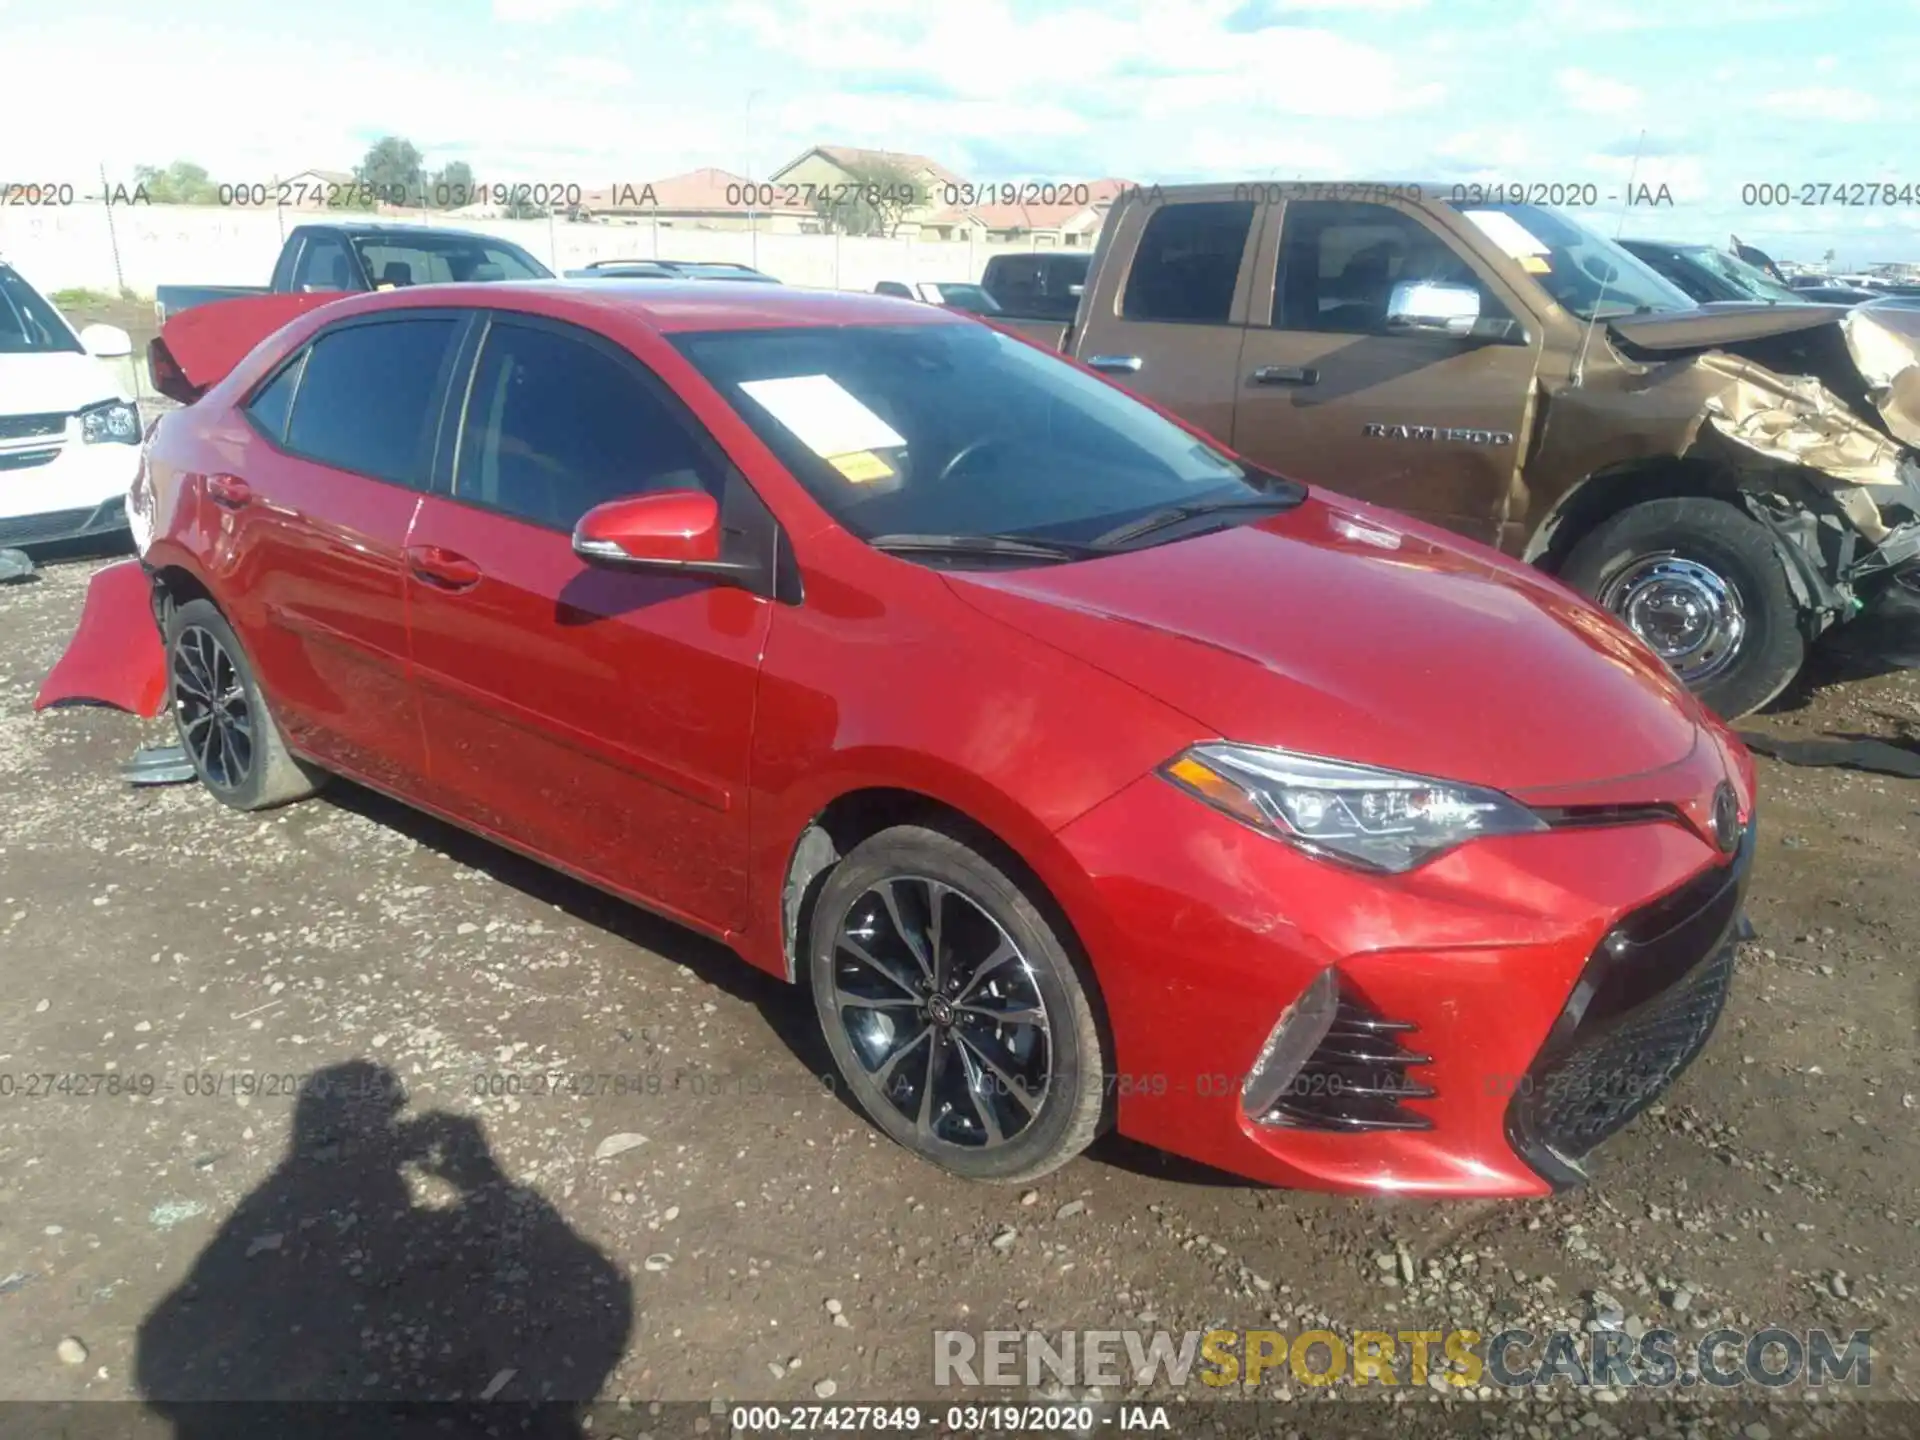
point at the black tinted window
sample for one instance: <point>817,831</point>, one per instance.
<point>1188,262</point>
<point>1340,261</point>
<point>269,407</point>
<point>556,426</point>
<point>366,401</point>
<point>1036,286</point>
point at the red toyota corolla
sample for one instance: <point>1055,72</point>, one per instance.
<point>1086,773</point>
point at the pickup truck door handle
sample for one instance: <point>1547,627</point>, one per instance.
<point>1285,375</point>
<point>228,491</point>
<point>442,568</point>
<point>1116,364</point>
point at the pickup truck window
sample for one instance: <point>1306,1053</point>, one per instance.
<point>1188,261</point>
<point>1584,272</point>
<point>556,426</point>
<point>365,403</point>
<point>323,265</point>
<point>1001,438</point>
<point>436,260</point>
<point>1339,262</point>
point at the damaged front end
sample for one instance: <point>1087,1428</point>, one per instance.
<point>1816,419</point>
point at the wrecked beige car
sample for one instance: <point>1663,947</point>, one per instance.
<point>1733,482</point>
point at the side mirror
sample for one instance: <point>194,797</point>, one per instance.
<point>1433,308</point>
<point>106,342</point>
<point>668,529</point>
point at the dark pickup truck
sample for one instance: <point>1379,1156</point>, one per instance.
<point>367,255</point>
<point>1733,482</point>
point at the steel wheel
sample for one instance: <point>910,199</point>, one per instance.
<point>942,1012</point>
<point>210,706</point>
<point>1690,615</point>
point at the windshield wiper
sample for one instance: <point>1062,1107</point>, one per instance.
<point>1012,547</point>
<point>1159,520</point>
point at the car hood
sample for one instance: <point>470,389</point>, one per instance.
<point>1882,341</point>
<point>54,382</point>
<point>1336,629</point>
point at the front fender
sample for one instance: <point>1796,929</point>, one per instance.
<point>115,657</point>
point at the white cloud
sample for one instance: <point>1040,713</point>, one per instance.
<point>591,70</point>
<point>542,12</point>
<point>1597,94</point>
<point>1822,103</point>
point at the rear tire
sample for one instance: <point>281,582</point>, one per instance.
<point>1702,584</point>
<point>224,723</point>
<point>908,1006</point>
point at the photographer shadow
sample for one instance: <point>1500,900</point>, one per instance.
<point>334,1302</point>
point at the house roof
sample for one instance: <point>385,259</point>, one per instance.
<point>851,157</point>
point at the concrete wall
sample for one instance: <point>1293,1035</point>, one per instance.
<point>96,248</point>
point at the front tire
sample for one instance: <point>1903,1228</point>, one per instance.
<point>224,723</point>
<point>1702,584</point>
<point>955,1014</point>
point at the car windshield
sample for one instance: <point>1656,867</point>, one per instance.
<point>955,429</point>
<point>437,259</point>
<point>28,324</point>
<point>1584,272</point>
<point>1748,279</point>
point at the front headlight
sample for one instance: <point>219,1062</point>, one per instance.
<point>1378,819</point>
<point>115,423</point>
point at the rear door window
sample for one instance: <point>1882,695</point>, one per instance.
<point>1188,262</point>
<point>557,424</point>
<point>369,398</point>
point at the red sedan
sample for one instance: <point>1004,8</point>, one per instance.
<point>1087,774</point>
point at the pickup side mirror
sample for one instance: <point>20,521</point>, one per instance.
<point>1433,308</point>
<point>666,530</point>
<point>106,342</point>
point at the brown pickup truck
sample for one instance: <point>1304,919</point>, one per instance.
<point>1733,482</point>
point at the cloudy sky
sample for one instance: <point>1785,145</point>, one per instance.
<point>1703,96</point>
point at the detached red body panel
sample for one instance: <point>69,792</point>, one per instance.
<point>674,735</point>
<point>115,657</point>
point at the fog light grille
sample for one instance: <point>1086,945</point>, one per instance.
<point>1356,1078</point>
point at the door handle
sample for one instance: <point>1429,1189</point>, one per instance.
<point>1116,364</point>
<point>229,491</point>
<point>1285,375</point>
<point>443,568</point>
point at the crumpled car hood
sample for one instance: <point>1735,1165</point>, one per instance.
<point>1343,630</point>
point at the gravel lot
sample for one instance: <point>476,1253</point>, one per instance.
<point>728,1228</point>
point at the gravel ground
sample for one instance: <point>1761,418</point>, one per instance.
<point>705,1220</point>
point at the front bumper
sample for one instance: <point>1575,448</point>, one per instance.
<point>59,488</point>
<point>1205,932</point>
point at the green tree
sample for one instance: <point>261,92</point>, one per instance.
<point>453,186</point>
<point>394,171</point>
<point>876,197</point>
<point>181,183</point>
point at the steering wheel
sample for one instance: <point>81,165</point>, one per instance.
<point>965,453</point>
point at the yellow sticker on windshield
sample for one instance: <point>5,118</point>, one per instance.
<point>1535,265</point>
<point>861,467</point>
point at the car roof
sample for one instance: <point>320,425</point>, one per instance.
<point>667,306</point>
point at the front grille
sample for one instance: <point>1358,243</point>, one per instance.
<point>31,427</point>
<point>27,459</point>
<point>1643,1009</point>
<point>1356,1077</point>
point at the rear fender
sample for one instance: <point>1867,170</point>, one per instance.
<point>115,657</point>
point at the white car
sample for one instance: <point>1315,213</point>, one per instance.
<point>69,431</point>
